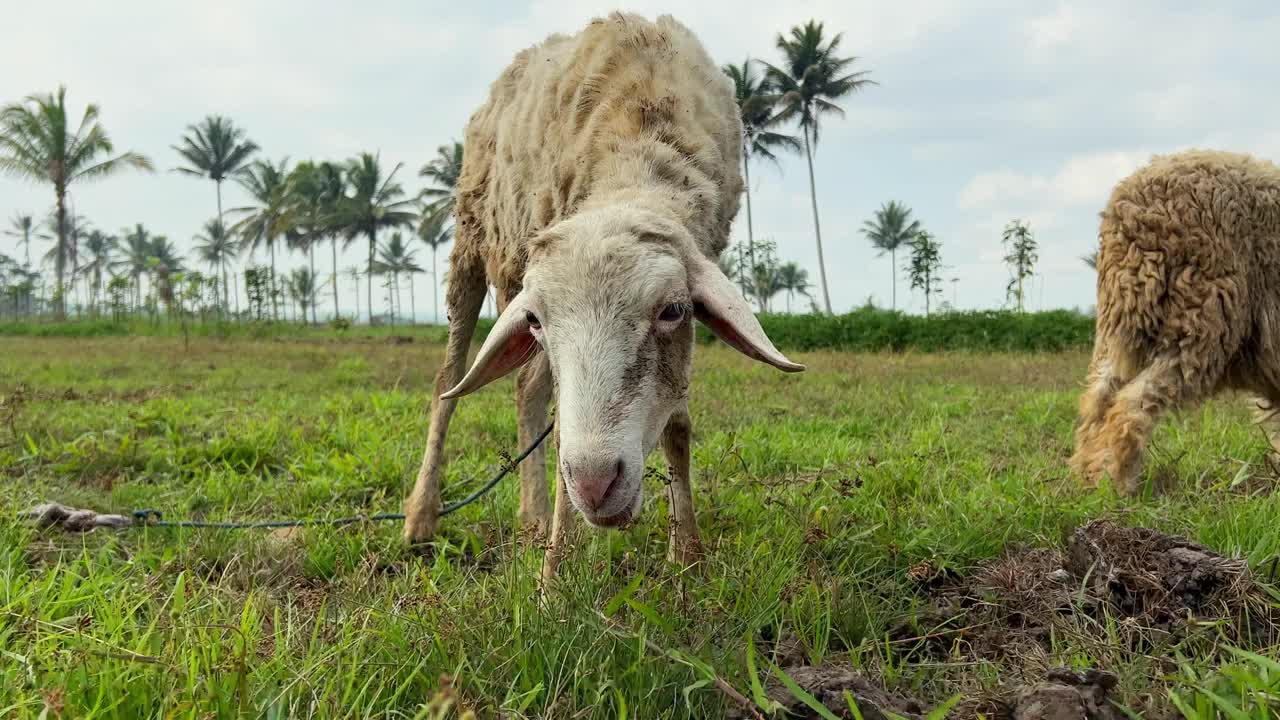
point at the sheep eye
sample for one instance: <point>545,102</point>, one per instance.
<point>532,320</point>
<point>672,313</point>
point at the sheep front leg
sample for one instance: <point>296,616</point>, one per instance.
<point>561,525</point>
<point>533,395</point>
<point>685,548</point>
<point>422,508</point>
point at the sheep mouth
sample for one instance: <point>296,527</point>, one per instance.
<point>617,521</point>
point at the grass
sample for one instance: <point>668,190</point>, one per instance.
<point>817,495</point>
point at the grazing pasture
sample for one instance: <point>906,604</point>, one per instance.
<point>839,508</point>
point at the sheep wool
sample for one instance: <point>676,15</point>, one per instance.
<point>580,119</point>
<point>1188,302</point>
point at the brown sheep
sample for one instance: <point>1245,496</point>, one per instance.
<point>1188,302</point>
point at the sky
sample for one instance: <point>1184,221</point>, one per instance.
<point>983,111</point>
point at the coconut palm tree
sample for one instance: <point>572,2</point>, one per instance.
<point>395,258</point>
<point>355,275</point>
<point>302,288</point>
<point>217,149</point>
<point>332,184</point>
<point>1091,260</point>
<point>135,250</point>
<point>374,203</point>
<point>21,227</point>
<point>163,260</point>
<point>37,142</point>
<point>65,253</point>
<point>444,171</point>
<point>434,229</point>
<point>756,101</point>
<point>794,279</point>
<point>99,249</point>
<point>891,228</point>
<point>217,248</point>
<point>809,81</point>
<point>317,192</point>
<point>266,221</point>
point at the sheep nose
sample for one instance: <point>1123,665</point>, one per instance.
<point>595,478</point>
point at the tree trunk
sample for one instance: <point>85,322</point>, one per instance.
<point>275,305</point>
<point>334,279</point>
<point>817,231</point>
<point>357,317</point>
<point>311,251</point>
<point>435,287</point>
<point>373,239</point>
<point>59,257</point>
<point>218,184</point>
<point>413,303</point>
<point>893,278</point>
<point>235,293</point>
<point>226,296</point>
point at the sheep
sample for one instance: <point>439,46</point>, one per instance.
<point>598,187</point>
<point>1188,302</point>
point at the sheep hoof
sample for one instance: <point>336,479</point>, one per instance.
<point>686,553</point>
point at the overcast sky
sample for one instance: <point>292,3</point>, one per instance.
<point>985,111</point>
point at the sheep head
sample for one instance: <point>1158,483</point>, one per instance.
<point>610,295</point>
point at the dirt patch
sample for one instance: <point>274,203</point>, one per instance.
<point>828,684</point>
<point>1067,695</point>
<point>1158,587</point>
<point>1116,591</point>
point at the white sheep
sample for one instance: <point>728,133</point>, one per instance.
<point>598,188</point>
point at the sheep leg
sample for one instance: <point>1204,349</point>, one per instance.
<point>466,293</point>
<point>1266,414</point>
<point>685,547</point>
<point>1132,417</point>
<point>1103,384</point>
<point>561,525</point>
<point>533,395</point>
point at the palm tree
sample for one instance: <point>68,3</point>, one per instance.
<point>100,249</point>
<point>65,253</point>
<point>794,279</point>
<point>317,194</point>
<point>355,275</point>
<point>37,142</point>
<point>332,184</point>
<point>265,222</point>
<point>217,248</point>
<point>20,227</point>
<point>373,205</point>
<point>396,258</point>
<point>302,288</point>
<point>892,228</point>
<point>1091,260</point>
<point>444,170</point>
<point>435,230</point>
<point>811,78</point>
<point>756,102</point>
<point>216,149</point>
<point>163,260</point>
<point>136,249</point>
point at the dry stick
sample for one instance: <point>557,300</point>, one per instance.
<point>738,698</point>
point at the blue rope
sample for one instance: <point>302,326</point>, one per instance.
<point>149,517</point>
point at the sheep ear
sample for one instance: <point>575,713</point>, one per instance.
<point>721,307</point>
<point>509,345</point>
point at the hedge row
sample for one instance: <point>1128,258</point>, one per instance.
<point>863,330</point>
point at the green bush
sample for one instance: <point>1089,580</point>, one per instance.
<point>874,330</point>
<point>863,330</point>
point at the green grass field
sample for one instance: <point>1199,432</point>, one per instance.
<point>823,499</point>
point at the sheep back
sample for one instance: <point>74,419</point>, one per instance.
<point>1189,266</point>
<point>624,103</point>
